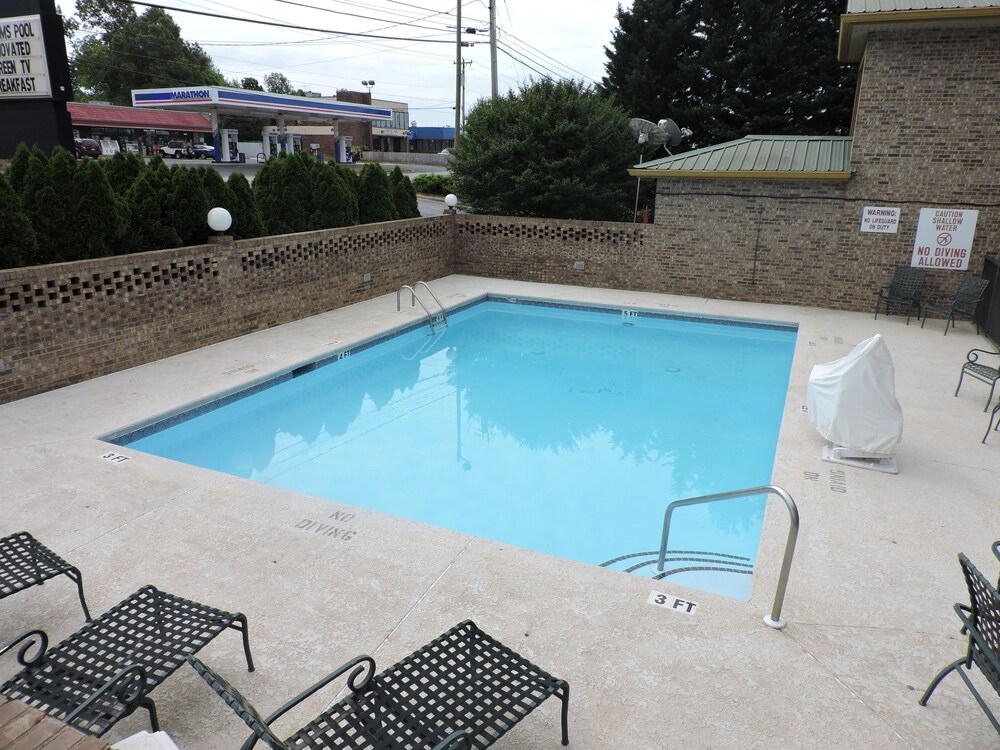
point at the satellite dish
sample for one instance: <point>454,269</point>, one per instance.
<point>673,132</point>
<point>645,131</point>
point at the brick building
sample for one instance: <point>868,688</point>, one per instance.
<point>924,135</point>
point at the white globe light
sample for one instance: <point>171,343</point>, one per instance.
<point>219,219</point>
<point>451,200</point>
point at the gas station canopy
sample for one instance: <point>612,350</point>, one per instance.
<point>216,99</point>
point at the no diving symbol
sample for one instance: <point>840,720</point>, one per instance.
<point>944,239</point>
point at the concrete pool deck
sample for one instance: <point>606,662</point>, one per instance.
<point>868,607</point>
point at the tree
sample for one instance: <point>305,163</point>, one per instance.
<point>552,149</point>
<point>121,51</point>
<point>728,68</point>
<point>375,201</point>
<point>283,192</point>
<point>188,206</point>
<point>62,217</point>
<point>149,226</point>
<point>17,237</point>
<point>19,166</point>
<point>37,195</point>
<point>277,83</point>
<point>247,222</point>
<point>404,196</point>
<point>336,206</point>
<point>122,170</point>
<point>99,221</point>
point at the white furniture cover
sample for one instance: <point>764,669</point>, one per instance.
<point>852,401</point>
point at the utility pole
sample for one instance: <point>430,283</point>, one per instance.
<point>458,71</point>
<point>465,64</point>
<point>493,49</point>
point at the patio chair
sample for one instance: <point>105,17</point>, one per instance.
<point>462,690</point>
<point>981,622</point>
<point>962,303</point>
<point>904,290</point>
<point>979,370</point>
<point>26,562</point>
<point>106,669</point>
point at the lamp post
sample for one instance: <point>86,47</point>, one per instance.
<point>369,85</point>
<point>450,200</point>
<point>219,220</point>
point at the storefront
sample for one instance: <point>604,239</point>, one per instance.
<point>140,131</point>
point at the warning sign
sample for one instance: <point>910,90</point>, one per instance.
<point>882,219</point>
<point>24,72</point>
<point>944,238</point>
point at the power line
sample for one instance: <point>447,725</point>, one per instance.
<point>285,25</point>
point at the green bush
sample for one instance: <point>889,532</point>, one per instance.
<point>99,223</point>
<point>375,202</point>
<point>403,195</point>
<point>17,237</point>
<point>433,184</point>
<point>247,222</point>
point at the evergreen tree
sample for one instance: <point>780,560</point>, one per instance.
<point>120,50</point>
<point>18,171</point>
<point>336,206</point>
<point>37,196</point>
<point>375,201</point>
<point>99,222</point>
<point>122,170</point>
<point>149,227</point>
<point>247,222</point>
<point>188,206</point>
<point>62,217</point>
<point>284,195</point>
<point>552,149</point>
<point>729,68</point>
<point>17,237</point>
<point>404,196</point>
<point>216,189</point>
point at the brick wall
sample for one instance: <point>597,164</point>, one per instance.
<point>926,135</point>
<point>68,322</point>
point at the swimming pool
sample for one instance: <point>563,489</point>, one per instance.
<point>561,430</point>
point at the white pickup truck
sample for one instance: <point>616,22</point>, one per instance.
<point>176,150</point>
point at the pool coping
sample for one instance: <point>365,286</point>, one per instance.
<point>868,605</point>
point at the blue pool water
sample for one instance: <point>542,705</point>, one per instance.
<point>564,431</point>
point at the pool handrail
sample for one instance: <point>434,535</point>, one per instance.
<point>774,619</point>
<point>414,299</point>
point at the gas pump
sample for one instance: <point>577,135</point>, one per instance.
<point>230,145</point>
<point>296,142</point>
<point>343,154</point>
<point>272,145</point>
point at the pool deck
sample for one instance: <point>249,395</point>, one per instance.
<point>868,607</point>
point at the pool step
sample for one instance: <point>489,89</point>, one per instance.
<point>680,561</point>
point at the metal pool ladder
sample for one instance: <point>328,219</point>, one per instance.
<point>440,320</point>
<point>774,619</point>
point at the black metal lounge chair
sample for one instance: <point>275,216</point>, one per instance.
<point>976,367</point>
<point>904,290</point>
<point>26,562</point>
<point>981,621</point>
<point>106,669</point>
<point>462,690</point>
<point>961,304</point>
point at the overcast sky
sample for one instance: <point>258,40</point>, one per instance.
<point>556,38</point>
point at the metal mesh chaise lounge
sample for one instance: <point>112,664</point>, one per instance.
<point>904,290</point>
<point>462,690</point>
<point>975,366</point>
<point>981,621</point>
<point>962,303</point>
<point>106,669</point>
<point>26,562</point>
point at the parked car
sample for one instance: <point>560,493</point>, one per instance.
<point>444,152</point>
<point>203,151</point>
<point>86,147</point>
<point>176,150</point>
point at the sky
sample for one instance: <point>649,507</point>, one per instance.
<point>536,38</point>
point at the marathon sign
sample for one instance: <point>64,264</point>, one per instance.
<point>944,238</point>
<point>24,70</point>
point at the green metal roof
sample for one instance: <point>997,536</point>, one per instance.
<point>876,6</point>
<point>864,16</point>
<point>759,157</point>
